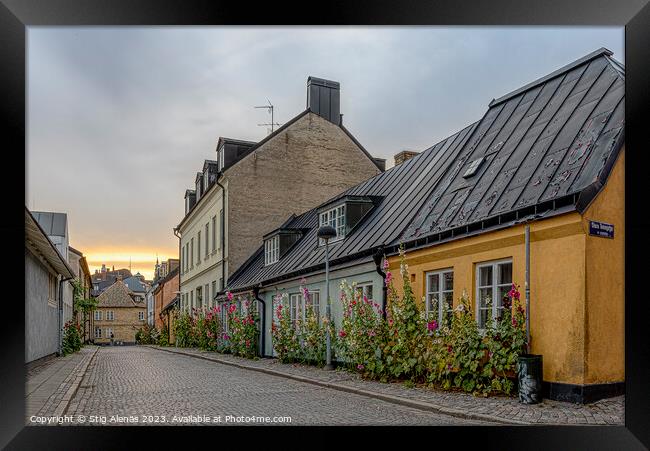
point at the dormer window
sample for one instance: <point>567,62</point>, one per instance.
<point>221,158</point>
<point>334,217</point>
<point>278,242</point>
<point>344,214</point>
<point>206,180</point>
<point>272,250</point>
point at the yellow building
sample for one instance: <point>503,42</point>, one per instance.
<point>567,184</point>
<point>119,314</point>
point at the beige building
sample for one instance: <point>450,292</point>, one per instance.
<point>253,188</point>
<point>118,313</point>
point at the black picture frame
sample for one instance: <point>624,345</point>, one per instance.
<point>16,15</point>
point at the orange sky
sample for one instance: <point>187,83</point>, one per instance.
<point>142,262</point>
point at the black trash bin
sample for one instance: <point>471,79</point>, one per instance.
<point>529,377</point>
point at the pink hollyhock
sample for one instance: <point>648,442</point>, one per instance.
<point>229,295</point>
<point>360,367</point>
<point>248,343</point>
<point>342,334</point>
<point>432,325</point>
<point>385,264</point>
<point>449,348</point>
<point>389,278</point>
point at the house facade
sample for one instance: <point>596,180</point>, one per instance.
<point>46,274</point>
<point>253,187</point>
<point>166,291</point>
<point>119,314</point>
<point>79,265</point>
<point>550,156</point>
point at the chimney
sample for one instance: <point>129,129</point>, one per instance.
<point>119,276</point>
<point>404,155</point>
<point>323,98</point>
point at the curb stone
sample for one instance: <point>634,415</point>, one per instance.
<point>421,405</point>
<point>79,374</point>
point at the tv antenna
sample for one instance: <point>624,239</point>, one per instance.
<point>269,109</point>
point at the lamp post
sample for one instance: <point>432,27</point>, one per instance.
<point>326,232</point>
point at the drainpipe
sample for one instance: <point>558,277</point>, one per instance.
<point>527,246</point>
<point>223,230</point>
<point>256,294</point>
<point>377,257</point>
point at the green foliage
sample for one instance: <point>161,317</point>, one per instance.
<point>71,338</point>
<point>244,331</point>
<point>163,337</point>
<point>284,333</point>
<point>183,330</point>
<point>146,335</point>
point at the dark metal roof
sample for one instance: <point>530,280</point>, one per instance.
<point>36,238</point>
<point>548,149</point>
<point>54,224</point>
<point>540,145</point>
<point>399,192</point>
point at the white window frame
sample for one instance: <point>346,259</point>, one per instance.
<point>363,287</point>
<point>207,234</point>
<point>221,158</point>
<point>199,297</point>
<point>98,315</point>
<point>140,316</point>
<point>334,217</point>
<point>98,332</point>
<point>191,252</point>
<point>315,296</point>
<point>206,180</point>
<point>295,302</point>
<point>198,248</point>
<point>109,331</point>
<point>496,299</point>
<point>440,273</point>
<point>110,315</point>
<point>272,250</point>
<point>214,234</point>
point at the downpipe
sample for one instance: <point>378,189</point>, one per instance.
<point>378,256</point>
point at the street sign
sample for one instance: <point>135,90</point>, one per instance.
<point>601,229</point>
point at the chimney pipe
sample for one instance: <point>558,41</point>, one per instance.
<point>324,98</point>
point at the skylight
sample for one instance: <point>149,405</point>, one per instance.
<point>473,167</point>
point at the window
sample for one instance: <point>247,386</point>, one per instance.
<point>198,247</point>
<point>214,233</point>
<point>221,158</point>
<point>493,281</point>
<point>109,331</point>
<point>183,261</point>
<point>214,288</point>
<point>222,228</point>
<point>98,332</point>
<point>365,289</point>
<point>207,228</point>
<point>199,298</point>
<point>141,316</point>
<point>192,252</point>
<point>298,306</point>
<point>220,283</point>
<point>208,301</point>
<point>51,289</point>
<point>334,217</point>
<point>98,315</point>
<point>440,294</point>
<point>224,316</point>
<point>206,180</point>
<point>110,315</point>
<point>191,299</point>
<point>272,250</point>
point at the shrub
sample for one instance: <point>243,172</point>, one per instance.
<point>283,331</point>
<point>71,338</point>
<point>183,330</point>
<point>244,331</point>
<point>163,337</point>
<point>146,335</point>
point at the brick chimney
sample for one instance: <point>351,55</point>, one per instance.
<point>404,155</point>
<point>324,98</point>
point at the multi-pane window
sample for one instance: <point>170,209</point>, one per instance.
<point>224,316</point>
<point>222,228</point>
<point>334,217</point>
<point>141,316</point>
<point>214,288</point>
<point>208,301</point>
<point>98,315</point>
<point>98,332</point>
<point>51,289</point>
<point>198,247</point>
<point>199,298</point>
<point>214,233</point>
<point>365,289</point>
<point>298,306</point>
<point>221,159</point>
<point>192,252</point>
<point>207,229</point>
<point>220,283</point>
<point>109,332</point>
<point>272,250</point>
<point>110,315</point>
<point>440,294</point>
<point>493,281</point>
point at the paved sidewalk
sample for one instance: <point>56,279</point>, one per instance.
<point>50,386</point>
<point>499,409</point>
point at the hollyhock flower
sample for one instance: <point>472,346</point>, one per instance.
<point>342,334</point>
<point>232,308</point>
<point>229,295</point>
<point>371,333</point>
<point>432,325</point>
<point>386,265</point>
<point>449,367</point>
<point>360,367</point>
<point>248,343</point>
<point>389,278</point>
<point>449,348</point>
<point>303,281</point>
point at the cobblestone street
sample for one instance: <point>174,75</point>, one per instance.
<point>142,381</point>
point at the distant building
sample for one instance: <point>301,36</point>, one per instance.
<point>46,273</point>
<point>104,278</point>
<point>118,313</point>
<point>164,294</point>
<point>82,273</point>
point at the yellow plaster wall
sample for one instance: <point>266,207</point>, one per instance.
<point>557,283</point>
<point>605,331</point>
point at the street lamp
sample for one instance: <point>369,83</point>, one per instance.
<point>326,232</point>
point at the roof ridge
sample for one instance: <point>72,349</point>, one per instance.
<point>593,55</point>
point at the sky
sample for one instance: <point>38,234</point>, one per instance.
<point>120,119</point>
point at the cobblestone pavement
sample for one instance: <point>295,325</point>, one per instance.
<point>140,381</point>
<point>496,408</point>
<point>50,385</point>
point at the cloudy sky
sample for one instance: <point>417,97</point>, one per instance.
<point>120,119</point>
